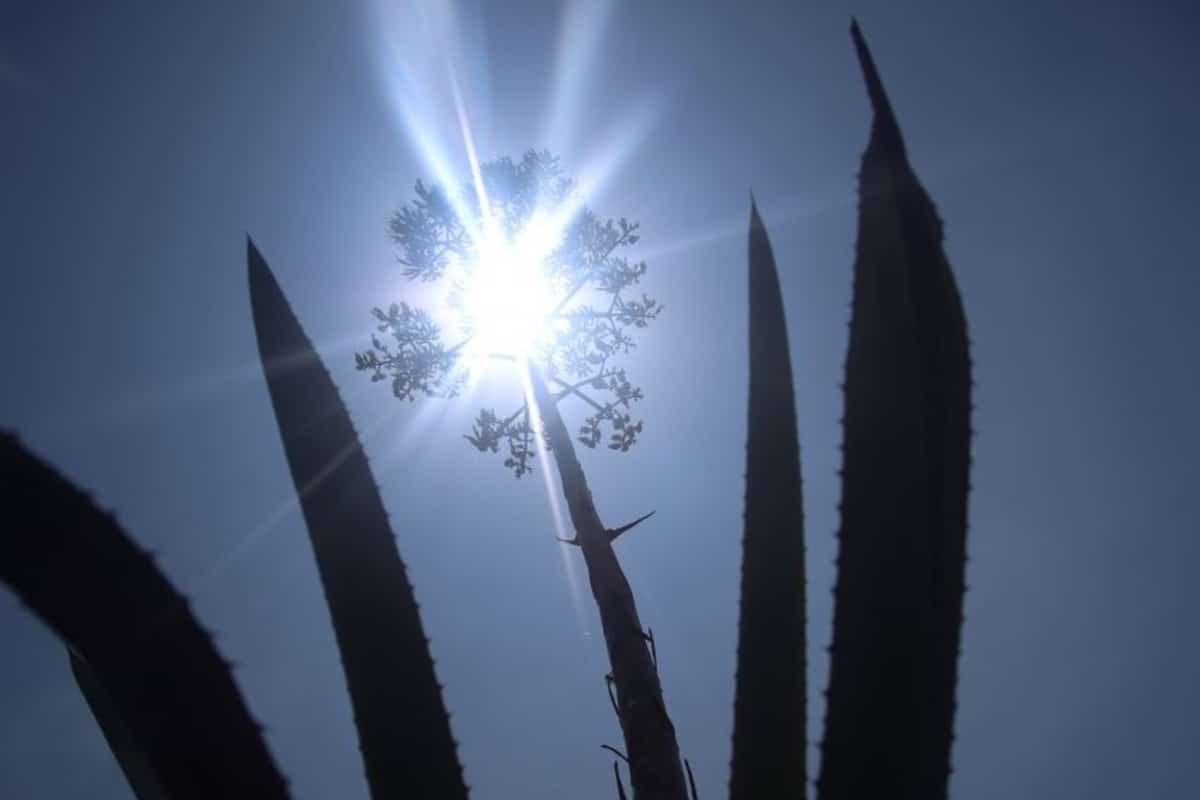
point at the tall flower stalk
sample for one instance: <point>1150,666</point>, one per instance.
<point>526,264</point>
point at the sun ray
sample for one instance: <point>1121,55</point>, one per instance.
<point>560,527</point>
<point>289,505</point>
<point>505,303</point>
<point>464,124</point>
<point>603,162</point>
<point>584,22</point>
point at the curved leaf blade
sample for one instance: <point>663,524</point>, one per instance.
<point>74,567</point>
<point>403,728</point>
<point>769,715</point>
<point>899,592</point>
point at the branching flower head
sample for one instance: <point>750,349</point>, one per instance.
<point>530,275</point>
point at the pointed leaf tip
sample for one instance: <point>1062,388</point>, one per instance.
<point>885,119</point>
<point>256,268</point>
<point>255,262</point>
<point>761,255</point>
<point>268,303</point>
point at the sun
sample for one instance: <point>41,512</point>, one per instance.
<point>505,297</point>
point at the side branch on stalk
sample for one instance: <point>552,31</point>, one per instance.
<point>613,533</point>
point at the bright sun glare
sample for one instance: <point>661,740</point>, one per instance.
<point>507,299</point>
<point>504,299</point>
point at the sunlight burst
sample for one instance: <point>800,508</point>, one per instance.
<point>433,66</point>
<point>504,298</point>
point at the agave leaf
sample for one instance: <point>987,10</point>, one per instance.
<point>898,597</point>
<point>163,680</point>
<point>403,728</point>
<point>769,715</point>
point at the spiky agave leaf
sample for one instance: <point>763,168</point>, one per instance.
<point>403,728</point>
<point>769,717</point>
<point>74,567</point>
<point>898,598</point>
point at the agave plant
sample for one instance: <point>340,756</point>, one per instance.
<point>167,703</point>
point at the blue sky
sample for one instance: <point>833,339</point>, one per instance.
<point>141,142</point>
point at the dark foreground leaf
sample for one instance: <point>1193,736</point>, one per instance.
<point>403,728</point>
<point>898,598</point>
<point>181,723</point>
<point>769,716</point>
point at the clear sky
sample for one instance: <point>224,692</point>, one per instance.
<point>141,141</point>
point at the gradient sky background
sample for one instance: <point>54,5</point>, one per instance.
<point>139,144</point>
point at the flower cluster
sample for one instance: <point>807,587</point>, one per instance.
<point>588,329</point>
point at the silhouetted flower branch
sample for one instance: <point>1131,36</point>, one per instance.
<point>418,363</point>
<point>438,237</point>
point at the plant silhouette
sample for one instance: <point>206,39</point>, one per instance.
<point>444,232</point>
<point>167,702</point>
<point>403,729</point>
<point>163,695</point>
<point>440,236</point>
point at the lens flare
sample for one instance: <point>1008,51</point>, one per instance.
<point>433,66</point>
<point>505,298</point>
